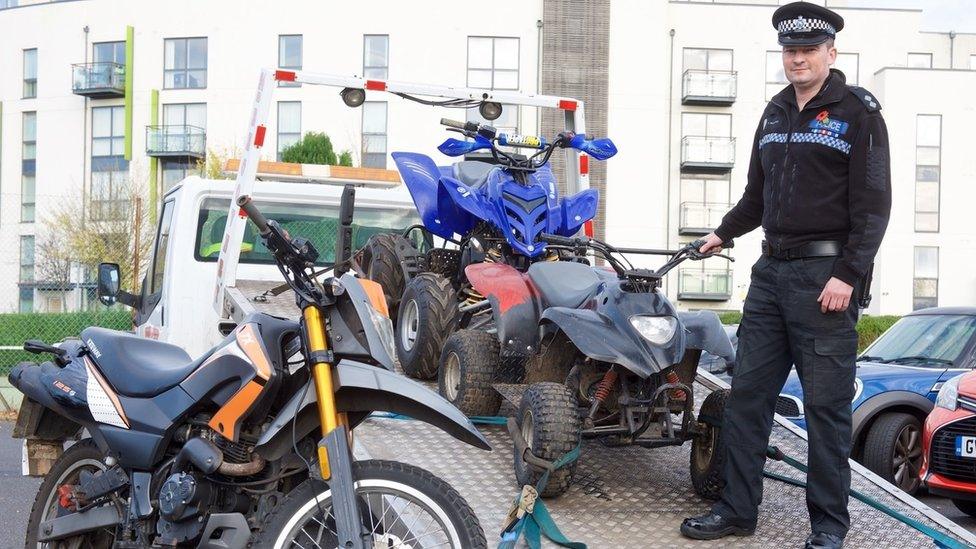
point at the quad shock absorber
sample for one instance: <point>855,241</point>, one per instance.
<point>672,377</point>
<point>603,390</point>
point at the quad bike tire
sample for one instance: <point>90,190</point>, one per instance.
<point>708,448</point>
<point>468,364</point>
<point>427,316</point>
<point>381,261</point>
<point>83,456</point>
<point>549,420</point>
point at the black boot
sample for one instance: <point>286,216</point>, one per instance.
<point>823,540</point>
<point>713,526</point>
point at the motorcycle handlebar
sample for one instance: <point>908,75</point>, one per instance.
<point>246,204</point>
<point>452,123</point>
<point>560,240</point>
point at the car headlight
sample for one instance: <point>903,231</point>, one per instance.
<point>657,329</point>
<point>384,327</point>
<point>858,389</point>
<point>949,394</point>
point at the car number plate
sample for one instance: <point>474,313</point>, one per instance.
<point>966,447</point>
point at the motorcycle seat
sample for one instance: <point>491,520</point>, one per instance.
<point>472,173</point>
<point>136,366</point>
<point>564,283</point>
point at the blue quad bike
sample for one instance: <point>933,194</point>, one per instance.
<point>589,352</point>
<point>498,204</point>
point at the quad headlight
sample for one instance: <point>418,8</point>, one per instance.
<point>657,329</point>
<point>949,394</point>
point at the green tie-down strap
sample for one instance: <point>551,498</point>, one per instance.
<point>538,522</point>
<point>940,539</point>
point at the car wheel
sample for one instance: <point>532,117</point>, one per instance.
<point>893,450</point>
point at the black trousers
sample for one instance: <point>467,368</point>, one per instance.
<point>782,326</point>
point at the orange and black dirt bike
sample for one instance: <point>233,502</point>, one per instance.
<point>249,444</point>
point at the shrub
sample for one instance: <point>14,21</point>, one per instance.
<point>868,328</point>
<point>315,148</point>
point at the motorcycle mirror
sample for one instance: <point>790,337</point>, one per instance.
<point>108,283</point>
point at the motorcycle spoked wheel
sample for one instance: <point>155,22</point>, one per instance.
<point>401,506</point>
<point>82,456</point>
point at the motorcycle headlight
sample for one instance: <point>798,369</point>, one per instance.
<point>657,329</point>
<point>949,394</point>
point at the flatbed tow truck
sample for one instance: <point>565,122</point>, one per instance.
<point>630,497</point>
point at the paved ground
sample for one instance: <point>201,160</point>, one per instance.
<point>18,492</point>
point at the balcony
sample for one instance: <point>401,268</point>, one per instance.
<point>176,142</point>
<point>698,219</point>
<point>707,154</point>
<point>701,87</point>
<point>705,284</point>
<point>98,80</point>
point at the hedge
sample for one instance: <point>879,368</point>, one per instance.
<point>868,328</point>
<point>15,328</point>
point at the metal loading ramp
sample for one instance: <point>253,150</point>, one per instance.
<point>627,497</point>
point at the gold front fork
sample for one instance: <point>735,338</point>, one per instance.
<point>329,416</point>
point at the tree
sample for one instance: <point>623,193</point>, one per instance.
<point>315,148</point>
<point>72,238</point>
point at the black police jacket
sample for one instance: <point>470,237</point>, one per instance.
<point>819,174</point>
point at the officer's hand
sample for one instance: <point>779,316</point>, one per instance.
<point>712,243</point>
<point>836,296</point>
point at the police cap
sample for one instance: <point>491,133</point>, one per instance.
<point>805,24</point>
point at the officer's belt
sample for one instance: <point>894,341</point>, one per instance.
<point>817,248</point>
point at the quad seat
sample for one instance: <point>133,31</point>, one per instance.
<point>136,366</point>
<point>564,283</point>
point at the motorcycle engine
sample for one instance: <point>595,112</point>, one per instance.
<point>184,500</point>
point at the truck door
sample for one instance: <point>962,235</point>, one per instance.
<point>151,316</point>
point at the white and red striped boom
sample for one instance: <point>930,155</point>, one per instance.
<point>576,180</point>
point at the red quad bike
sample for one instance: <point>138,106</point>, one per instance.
<point>588,352</point>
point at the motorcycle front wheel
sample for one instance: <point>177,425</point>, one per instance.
<point>401,506</point>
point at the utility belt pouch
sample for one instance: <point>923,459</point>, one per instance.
<point>864,296</point>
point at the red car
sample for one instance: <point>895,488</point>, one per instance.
<point>949,443</point>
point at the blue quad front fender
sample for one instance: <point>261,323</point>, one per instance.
<point>576,210</point>
<point>439,213</point>
<point>360,390</point>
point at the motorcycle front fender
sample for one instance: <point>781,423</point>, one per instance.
<point>360,390</point>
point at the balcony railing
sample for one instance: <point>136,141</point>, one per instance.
<point>707,154</point>
<point>98,80</point>
<point>701,87</point>
<point>699,218</point>
<point>705,284</point>
<point>176,141</point>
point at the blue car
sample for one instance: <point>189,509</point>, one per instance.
<point>898,378</point>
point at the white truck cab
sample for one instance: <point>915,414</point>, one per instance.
<point>175,303</point>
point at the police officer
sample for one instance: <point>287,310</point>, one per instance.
<point>819,184</point>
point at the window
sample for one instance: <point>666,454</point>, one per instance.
<point>920,60</point>
<point>493,63</point>
<point>289,124</point>
<point>8,4</point>
<point>185,64</point>
<point>109,166</point>
<point>928,148</point>
<point>159,254</point>
<point>179,121</point>
<point>704,200</point>
<point>290,56</point>
<point>775,76</point>
<point>109,52</point>
<point>26,299</point>
<point>847,63</point>
<point>376,56</point>
<point>28,173</point>
<point>316,222</point>
<point>374,134</point>
<point>30,73</point>
<point>925,290</point>
<point>707,60</point>
<point>27,258</point>
<point>706,124</point>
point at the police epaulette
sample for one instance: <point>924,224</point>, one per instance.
<point>866,97</point>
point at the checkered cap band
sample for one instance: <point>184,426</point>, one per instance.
<point>804,24</point>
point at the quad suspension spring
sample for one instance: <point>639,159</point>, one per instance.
<point>672,377</point>
<point>603,390</point>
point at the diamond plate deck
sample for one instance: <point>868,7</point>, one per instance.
<point>630,496</point>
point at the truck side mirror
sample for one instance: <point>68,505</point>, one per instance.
<point>108,283</point>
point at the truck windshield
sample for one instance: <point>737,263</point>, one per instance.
<point>923,340</point>
<point>316,222</point>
